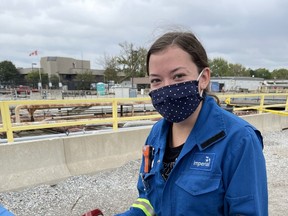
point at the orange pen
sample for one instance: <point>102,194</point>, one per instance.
<point>147,158</point>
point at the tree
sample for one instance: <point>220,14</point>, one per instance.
<point>54,79</point>
<point>237,70</point>
<point>132,60</point>
<point>141,62</point>
<point>262,73</point>
<point>8,73</point>
<point>111,68</point>
<point>84,80</point>
<point>219,67</point>
<point>125,60</point>
<point>251,72</point>
<point>33,79</point>
<point>45,80</point>
<point>279,74</point>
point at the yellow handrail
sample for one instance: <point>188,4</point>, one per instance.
<point>261,107</point>
<point>8,126</point>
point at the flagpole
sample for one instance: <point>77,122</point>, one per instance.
<point>35,53</point>
<point>40,78</point>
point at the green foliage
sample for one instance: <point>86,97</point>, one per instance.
<point>238,70</point>
<point>141,62</point>
<point>54,79</point>
<point>33,78</point>
<point>132,60</point>
<point>262,73</point>
<point>132,63</point>
<point>84,80</point>
<point>280,74</point>
<point>8,73</point>
<point>45,80</point>
<point>219,67</point>
<point>111,68</point>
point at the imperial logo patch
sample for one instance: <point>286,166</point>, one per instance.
<point>203,161</point>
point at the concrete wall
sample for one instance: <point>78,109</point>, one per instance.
<point>50,160</point>
<point>268,122</point>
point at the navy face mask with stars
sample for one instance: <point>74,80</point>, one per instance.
<point>178,101</point>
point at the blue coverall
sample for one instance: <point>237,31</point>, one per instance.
<point>5,212</point>
<point>220,170</point>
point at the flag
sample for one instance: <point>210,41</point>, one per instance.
<point>33,53</point>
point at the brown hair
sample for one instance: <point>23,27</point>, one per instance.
<point>187,41</point>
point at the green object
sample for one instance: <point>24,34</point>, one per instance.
<point>100,87</point>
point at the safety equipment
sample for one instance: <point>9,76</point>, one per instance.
<point>178,101</point>
<point>145,206</point>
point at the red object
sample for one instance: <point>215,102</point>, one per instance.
<point>25,90</point>
<point>34,53</point>
<point>95,212</point>
<point>147,159</point>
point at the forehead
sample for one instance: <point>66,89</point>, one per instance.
<point>170,51</point>
<point>169,59</point>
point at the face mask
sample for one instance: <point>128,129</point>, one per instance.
<point>178,101</point>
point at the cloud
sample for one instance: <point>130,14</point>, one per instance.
<point>251,33</point>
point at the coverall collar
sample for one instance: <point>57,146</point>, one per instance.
<point>208,128</point>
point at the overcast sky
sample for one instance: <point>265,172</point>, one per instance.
<point>253,33</point>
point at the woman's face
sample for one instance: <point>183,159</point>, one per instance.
<point>170,66</point>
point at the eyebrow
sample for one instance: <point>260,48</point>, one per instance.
<point>153,75</point>
<point>170,72</point>
<point>176,69</point>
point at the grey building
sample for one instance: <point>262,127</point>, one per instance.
<point>65,68</point>
<point>68,68</point>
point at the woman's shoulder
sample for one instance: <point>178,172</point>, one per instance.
<point>233,123</point>
<point>158,129</point>
<point>158,125</point>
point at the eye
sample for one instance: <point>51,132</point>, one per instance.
<point>178,76</point>
<point>154,81</point>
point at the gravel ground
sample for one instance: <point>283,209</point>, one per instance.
<point>113,191</point>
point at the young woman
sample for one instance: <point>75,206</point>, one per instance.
<point>199,159</point>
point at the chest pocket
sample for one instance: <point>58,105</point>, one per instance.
<point>196,184</point>
<point>149,179</point>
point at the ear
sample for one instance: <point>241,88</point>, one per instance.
<point>205,78</point>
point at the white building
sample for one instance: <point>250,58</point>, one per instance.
<point>238,84</point>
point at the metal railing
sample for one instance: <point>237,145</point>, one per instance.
<point>11,123</point>
<point>265,101</point>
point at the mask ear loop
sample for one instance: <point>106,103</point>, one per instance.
<point>201,92</point>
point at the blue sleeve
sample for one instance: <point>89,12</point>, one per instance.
<point>132,212</point>
<point>5,212</point>
<point>244,176</point>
